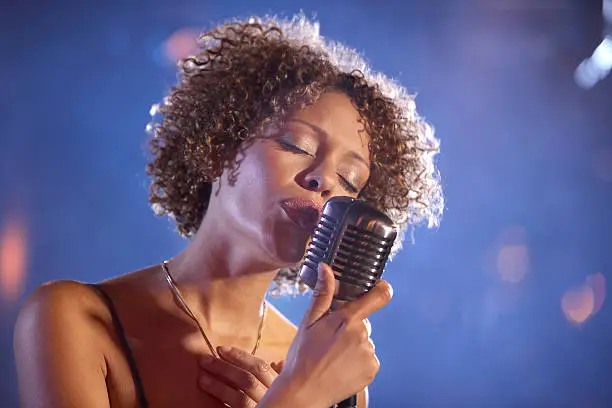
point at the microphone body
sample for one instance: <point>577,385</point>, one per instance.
<point>355,239</point>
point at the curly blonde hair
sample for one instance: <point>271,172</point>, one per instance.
<point>251,73</point>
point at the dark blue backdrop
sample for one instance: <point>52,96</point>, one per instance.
<point>503,306</point>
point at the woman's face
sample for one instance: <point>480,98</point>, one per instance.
<point>285,178</point>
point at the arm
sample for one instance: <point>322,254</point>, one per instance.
<point>59,361</point>
<point>284,393</point>
<point>283,396</point>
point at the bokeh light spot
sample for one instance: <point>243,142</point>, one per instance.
<point>578,304</point>
<point>597,282</point>
<point>13,259</point>
<point>513,262</point>
<point>181,44</point>
<point>508,258</point>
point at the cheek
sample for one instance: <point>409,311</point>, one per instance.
<point>268,168</point>
<point>260,177</point>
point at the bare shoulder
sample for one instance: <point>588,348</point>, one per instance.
<point>60,302</point>
<point>63,312</point>
<point>57,335</point>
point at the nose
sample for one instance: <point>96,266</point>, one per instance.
<point>319,181</point>
<point>314,183</point>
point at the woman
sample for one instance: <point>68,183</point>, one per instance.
<point>268,121</point>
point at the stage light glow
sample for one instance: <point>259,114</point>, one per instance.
<point>13,259</point>
<point>578,304</point>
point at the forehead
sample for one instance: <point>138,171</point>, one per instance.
<point>335,115</point>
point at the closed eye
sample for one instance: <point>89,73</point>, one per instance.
<point>291,148</point>
<point>348,186</point>
<point>284,145</point>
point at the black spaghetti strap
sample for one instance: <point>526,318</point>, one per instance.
<point>126,347</point>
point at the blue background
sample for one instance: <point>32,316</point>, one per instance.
<point>478,318</point>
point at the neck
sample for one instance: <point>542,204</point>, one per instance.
<point>222,282</point>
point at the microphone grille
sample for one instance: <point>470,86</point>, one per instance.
<point>321,242</point>
<point>355,239</point>
<point>359,260</point>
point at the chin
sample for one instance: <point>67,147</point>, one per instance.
<point>282,241</point>
<point>287,250</point>
<point>292,259</point>
<point>288,255</point>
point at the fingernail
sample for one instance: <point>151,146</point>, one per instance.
<point>390,290</point>
<point>225,349</point>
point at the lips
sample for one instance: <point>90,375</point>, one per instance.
<point>304,213</point>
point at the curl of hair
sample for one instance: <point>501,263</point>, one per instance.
<point>248,74</point>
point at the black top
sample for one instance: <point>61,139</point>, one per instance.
<point>126,346</point>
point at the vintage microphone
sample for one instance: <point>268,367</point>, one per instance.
<point>355,239</point>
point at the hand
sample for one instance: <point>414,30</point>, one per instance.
<point>332,356</point>
<point>237,379</point>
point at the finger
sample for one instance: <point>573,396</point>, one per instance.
<point>234,376</point>
<point>225,393</point>
<point>371,301</point>
<point>248,362</point>
<point>322,295</point>
<point>278,367</point>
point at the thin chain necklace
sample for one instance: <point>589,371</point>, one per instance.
<point>177,294</point>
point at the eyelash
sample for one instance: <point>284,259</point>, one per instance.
<point>351,188</point>
<point>294,149</point>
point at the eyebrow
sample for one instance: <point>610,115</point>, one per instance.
<point>322,132</point>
